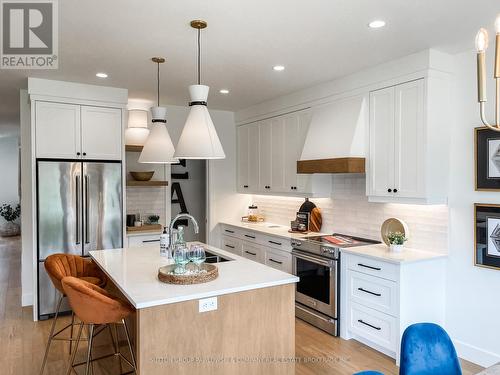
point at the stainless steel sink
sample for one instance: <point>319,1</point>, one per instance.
<point>215,258</point>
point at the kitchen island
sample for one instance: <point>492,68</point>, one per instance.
<point>249,327</point>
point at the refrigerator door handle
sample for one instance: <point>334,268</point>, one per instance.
<point>87,235</point>
<point>77,182</point>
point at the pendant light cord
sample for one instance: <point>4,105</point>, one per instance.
<point>158,83</point>
<point>199,57</point>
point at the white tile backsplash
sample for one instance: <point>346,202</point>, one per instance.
<point>349,212</point>
<point>145,201</point>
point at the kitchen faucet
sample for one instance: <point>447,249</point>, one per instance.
<point>182,216</point>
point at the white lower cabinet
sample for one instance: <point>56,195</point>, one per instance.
<point>233,245</point>
<point>380,299</point>
<point>144,240</point>
<point>270,250</point>
<point>280,260</point>
<point>253,252</point>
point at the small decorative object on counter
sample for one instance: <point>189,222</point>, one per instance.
<point>165,244</point>
<point>253,215</point>
<point>180,252</point>
<point>153,219</point>
<point>393,224</point>
<point>315,220</point>
<point>10,214</point>
<point>396,241</point>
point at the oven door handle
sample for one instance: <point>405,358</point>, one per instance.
<point>322,261</point>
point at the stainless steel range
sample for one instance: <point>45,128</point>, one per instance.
<point>316,261</point>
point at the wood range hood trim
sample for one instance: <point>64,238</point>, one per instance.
<point>334,165</point>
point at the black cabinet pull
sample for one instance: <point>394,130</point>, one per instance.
<point>84,154</point>
<point>252,237</point>
<point>389,190</point>
<point>245,186</point>
<point>275,243</point>
<point>370,267</point>
<point>395,190</point>
<point>367,291</point>
<point>146,241</point>
<point>249,252</point>
<point>229,231</point>
<point>230,246</point>
<point>78,153</point>
<point>369,325</point>
<point>275,261</point>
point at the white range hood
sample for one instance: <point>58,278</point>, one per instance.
<point>336,138</point>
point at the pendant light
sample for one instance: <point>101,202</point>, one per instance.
<point>158,148</point>
<point>199,138</point>
<point>137,131</point>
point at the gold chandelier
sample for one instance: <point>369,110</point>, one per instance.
<point>481,46</point>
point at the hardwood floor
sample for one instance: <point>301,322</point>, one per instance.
<point>23,341</point>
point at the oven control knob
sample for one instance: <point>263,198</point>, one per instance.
<point>325,250</point>
<point>296,243</point>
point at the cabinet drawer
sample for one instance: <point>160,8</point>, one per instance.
<point>373,267</point>
<point>253,252</point>
<point>279,259</point>
<point>275,242</point>
<point>377,293</point>
<point>230,231</point>
<point>231,244</point>
<point>147,239</point>
<point>373,325</point>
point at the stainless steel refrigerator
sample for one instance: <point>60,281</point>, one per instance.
<point>79,210</point>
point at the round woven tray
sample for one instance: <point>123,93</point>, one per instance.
<point>166,275</point>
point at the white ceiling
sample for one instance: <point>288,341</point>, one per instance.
<point>317,40</point>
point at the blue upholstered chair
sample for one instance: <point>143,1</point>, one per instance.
<point>426,349</point>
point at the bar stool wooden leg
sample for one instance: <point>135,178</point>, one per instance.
<point>71,331</point>
<point>51,334</point>
<point>73,355</point>
<point>89,351</point>
<point>129,344</point>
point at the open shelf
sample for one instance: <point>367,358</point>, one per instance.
<point>151,183</point>
<point>132,148</point>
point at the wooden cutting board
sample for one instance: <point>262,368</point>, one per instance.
<point>315,220</point>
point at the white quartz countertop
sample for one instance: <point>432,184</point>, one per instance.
<point>134,271</point>
<point>271,229</point>
<point>381,252</point>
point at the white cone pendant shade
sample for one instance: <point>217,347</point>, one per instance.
<point>158,148</point>
<point>199,138</point>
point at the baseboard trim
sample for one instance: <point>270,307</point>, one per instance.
<point>476,355</point>
<point>27,299</point>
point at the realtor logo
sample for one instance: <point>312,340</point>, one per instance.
<point>28,34</point>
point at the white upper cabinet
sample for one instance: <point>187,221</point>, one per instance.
<point>265,155</point>
<point>101,133</point>
<point>242,144</point>
<point>408,154</point>
<point>71,131</point>
<point>57,130</point>
<point>268,151</point>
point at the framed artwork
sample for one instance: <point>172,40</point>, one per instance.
<point>487,235</point>
<point>487,159</point>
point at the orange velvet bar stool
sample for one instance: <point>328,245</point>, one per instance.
<point>59,266</point>
<point>95,306</point>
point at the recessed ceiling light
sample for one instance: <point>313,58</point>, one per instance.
<point>224,91</point>
<point>279,68</point>
<point>376,24</point>
<point>101,75</point>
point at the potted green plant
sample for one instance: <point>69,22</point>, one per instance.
<point>396,241</point>
<point>10,214</point>
<point>153,219</point>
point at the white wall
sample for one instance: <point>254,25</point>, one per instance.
<point>9,165</point>
<point>473,301</point>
